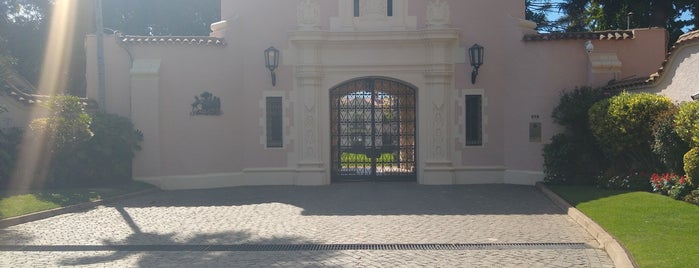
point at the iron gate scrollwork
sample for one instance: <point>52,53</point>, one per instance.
<point>373,133</point>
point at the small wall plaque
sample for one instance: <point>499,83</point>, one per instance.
<point>535,132</point>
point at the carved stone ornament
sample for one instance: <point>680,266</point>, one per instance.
<point>206,104</point>
<point>308,14</point>
<point>438,137</point>
<point>438,14</point>
<point>371,8</point>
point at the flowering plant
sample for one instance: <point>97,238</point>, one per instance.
<point>670,184</point>
<point>629,181</point>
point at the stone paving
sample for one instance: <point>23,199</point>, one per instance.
<point>352,213</point>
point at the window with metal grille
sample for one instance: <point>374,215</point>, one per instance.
<point>474,120</point>
<point>389,8</point>
<point>275,137</point>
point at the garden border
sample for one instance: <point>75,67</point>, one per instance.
<point>620,256</point>
<point>4,223</point>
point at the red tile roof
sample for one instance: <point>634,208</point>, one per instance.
<point>636,83</point>
<point>604,35</point>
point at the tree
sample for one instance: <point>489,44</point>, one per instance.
<point>26,23</point>
<point>598,15</point>
<point>161,17</point>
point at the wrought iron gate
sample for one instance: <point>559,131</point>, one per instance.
<point>373,130</point>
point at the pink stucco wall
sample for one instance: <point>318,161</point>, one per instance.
<point>520,80</point>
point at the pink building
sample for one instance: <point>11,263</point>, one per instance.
<point>365,90</point>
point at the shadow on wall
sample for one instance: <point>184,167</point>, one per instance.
<point>391,198</point>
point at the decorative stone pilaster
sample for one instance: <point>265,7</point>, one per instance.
<point>308,15</point>
<point>145,113</point>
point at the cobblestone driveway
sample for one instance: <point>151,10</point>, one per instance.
<point>511,219</point>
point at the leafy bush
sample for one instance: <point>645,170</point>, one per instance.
<point>110,151</point>
<point>86,150</point>
<point>692,197</point>
<point>9,142</point>
<point>691,165</point>
<point>572,108</point>
<point>573,157</point>
<point>63,133</point>
<point>687,123</point>
<point>667,144</point>
<point>623,127</point>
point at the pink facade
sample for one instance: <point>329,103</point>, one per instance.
<point>323,44</point>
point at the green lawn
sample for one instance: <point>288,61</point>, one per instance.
<point>657,230</point>
<point>16,204</point>
<point>353,160</point>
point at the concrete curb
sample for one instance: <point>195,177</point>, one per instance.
<point>4,223</point>
<point>616,251</point>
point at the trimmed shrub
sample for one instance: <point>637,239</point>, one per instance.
<point>571,160</point>
<point>623,127</point>
<point>572,108</point>
<point>669,147</point>
<point>691,165</point>
<point>110,151</point>
<point>573,157</point>
<point>687,123</point>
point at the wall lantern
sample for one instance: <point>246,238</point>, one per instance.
<point>695,96</point>
<point>272,62</point>
<point>475,55</point>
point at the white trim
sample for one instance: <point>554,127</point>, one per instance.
<point>248,177</point>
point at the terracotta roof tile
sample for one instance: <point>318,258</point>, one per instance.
<point>172,40</point>
<point>605,35</point>
<point>636,83</point>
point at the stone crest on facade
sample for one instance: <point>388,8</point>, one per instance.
<point>206,104</point>
<point>308,14</point>
<point>438,14</point>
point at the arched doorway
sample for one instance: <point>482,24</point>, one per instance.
<point>373,130</point>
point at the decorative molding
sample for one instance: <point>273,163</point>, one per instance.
<point>373,8</point>
<point>308,15</point>
<point>605,62</point>
<point>145,68</point>
<point>206,104</point>
<point>309,124</point>
<point>438,15</point>
<point>373,16</point>
<point>438,138</point>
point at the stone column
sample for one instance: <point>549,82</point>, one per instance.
<point>145,114</point>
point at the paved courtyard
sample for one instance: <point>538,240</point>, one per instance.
<point>341,225</point>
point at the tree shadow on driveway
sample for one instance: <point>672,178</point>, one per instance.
<point>153,249</point>
<point>391,198</point>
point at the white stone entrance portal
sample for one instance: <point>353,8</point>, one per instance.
<point>424,58</point>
